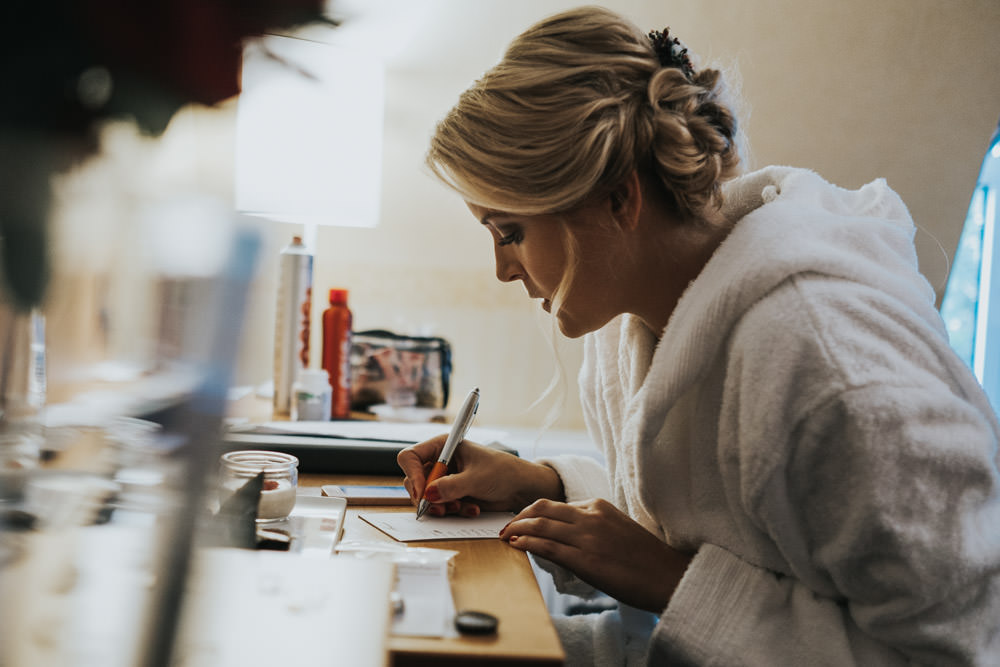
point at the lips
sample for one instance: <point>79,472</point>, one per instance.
<point>546,304</point>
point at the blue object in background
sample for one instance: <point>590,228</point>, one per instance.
<point>971,303</point>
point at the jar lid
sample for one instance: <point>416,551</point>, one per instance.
<point>314,380</point>
<point>254,461</point>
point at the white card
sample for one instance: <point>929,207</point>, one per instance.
<point>404,526</point>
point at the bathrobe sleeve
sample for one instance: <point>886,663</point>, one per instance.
<point>871,464</point>
<point>583,478</point>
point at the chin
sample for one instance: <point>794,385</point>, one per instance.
<point>571,329</point>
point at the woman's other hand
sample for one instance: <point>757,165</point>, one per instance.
<point>604,547</point>
<point>479,479</point>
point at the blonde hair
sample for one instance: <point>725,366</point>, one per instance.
<point>577,103</point>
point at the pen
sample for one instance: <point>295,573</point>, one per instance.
<point>458,430</point>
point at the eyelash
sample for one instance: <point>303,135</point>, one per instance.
<point>513,237</point>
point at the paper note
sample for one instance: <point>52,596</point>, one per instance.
<point>405,527</point>
<point>428,608</point>
<point>369,430</point>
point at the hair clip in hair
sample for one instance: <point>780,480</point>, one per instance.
<point>671,52</point>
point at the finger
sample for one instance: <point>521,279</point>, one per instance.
<point>552,509</point>
<point>440,509</point>
<point>418,455</point>
<point>557,552</point>
<point>470,510</point>
<point>414,462</point>
<point>436,510</point>
<point>544,527</point>
<point>464,478</point>
<point>408,485</point>
<point>457,486</point>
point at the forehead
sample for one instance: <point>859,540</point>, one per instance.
<point>476,210</point>
<point>495,217</point>
<point>482,213</point>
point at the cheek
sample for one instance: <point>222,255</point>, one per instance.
<point>545,268</point>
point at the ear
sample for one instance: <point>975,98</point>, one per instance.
<point>626,201</point>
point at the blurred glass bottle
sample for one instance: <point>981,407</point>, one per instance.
<point>22,396</point>
<point>337,320</point>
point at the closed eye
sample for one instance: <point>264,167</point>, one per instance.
<point>513,237</point>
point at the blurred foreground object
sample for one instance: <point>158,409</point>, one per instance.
<point>116,529</point>
<point>68,65</point>
<point>94,554</point>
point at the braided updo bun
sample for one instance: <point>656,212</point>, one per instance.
<point>694,148</point>
<point>578,102</point>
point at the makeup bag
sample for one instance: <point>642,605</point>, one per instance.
<point>401,371</point>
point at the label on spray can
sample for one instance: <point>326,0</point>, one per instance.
<point>291,331</point>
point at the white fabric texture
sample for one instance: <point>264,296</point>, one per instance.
<point>802,426</point>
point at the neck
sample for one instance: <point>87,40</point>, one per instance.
<point>670,256</point>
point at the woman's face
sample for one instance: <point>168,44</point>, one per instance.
<point>532,249</point>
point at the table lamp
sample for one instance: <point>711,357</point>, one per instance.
<point>309,133</point>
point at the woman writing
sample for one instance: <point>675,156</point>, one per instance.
<point>798,469</point>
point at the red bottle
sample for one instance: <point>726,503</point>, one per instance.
<point>337,352</point>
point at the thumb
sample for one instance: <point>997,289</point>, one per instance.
<point>450,487</point>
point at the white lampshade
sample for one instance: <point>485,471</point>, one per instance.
<point>309,133</point>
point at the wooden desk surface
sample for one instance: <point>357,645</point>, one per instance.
<point>488,575</point>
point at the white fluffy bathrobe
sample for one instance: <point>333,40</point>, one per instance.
<point>803,427</point>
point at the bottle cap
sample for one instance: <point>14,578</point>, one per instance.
<point>338,296</point>
<point>476,622</point>
<point>314,380</point>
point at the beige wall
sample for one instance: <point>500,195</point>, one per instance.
<point>908,90</point>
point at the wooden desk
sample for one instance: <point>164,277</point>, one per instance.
<point>488,575</point>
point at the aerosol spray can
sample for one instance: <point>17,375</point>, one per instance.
<point>291,318</point>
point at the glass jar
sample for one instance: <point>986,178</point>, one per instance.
<point>281,479</point>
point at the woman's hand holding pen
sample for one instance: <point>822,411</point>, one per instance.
<point>479,479</point>
<point>593,538</point>
<point>602,546</point>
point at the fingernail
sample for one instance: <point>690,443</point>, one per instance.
<point>432,494</point>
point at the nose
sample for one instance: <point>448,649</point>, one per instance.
<point>508,268</point>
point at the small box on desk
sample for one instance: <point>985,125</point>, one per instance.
<point>349,447</point>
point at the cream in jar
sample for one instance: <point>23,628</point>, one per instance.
<point>281,477</point>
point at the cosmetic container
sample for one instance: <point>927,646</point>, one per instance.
<point>281,479</point>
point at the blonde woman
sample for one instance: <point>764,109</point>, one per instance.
<point>799,471</point>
